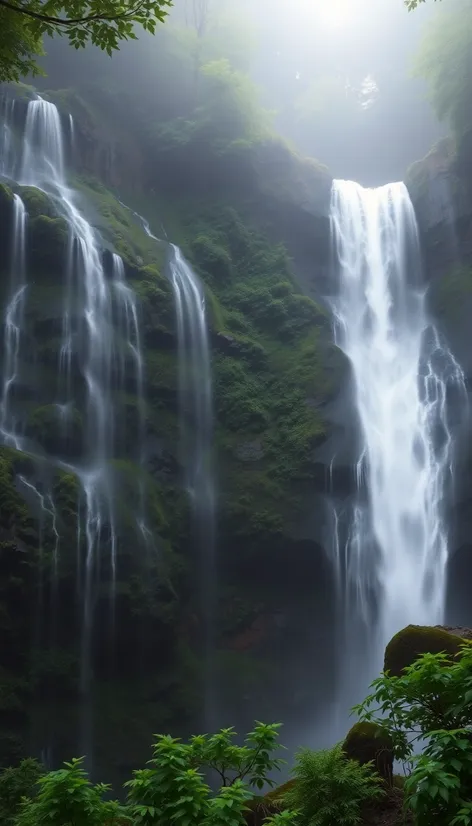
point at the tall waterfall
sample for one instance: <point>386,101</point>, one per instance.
<point>99,351</point>
<point>395,554</point>
<point>196,418</point>
<point>13,323</point>
<point>196,434</point>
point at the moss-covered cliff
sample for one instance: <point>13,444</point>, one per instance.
<point>275,371</point>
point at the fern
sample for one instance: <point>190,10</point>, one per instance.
<point>330,789</point>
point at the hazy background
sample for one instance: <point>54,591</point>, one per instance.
<point>336,75</point>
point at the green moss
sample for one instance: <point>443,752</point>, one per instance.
<point>118,226</point>
<point>238,398</point>
<point>48,242</point>
<point>450,295</point>
<point>45,426</point>
<point>406,646</point>
<point>6,207</point>
<point>369,743</point>
<point>6,195</point>
<point>212,256</point>
<point>66,494</point>
<point>37,202</point>
<point>13,510</point>
<point>157,307</point>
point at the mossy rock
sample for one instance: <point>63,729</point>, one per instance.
<point>57,430</point>
<point>6,196</point>
<point>413,641</point>
<point>260,808</point>
<point>37,202</point>
<point>369,743</point>
<point>6,216</point>
<point>48,241</point>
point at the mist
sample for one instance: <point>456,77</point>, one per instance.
<point>341,91</point>
<point>236,371</point>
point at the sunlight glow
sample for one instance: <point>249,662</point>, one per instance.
<point>335,13</point>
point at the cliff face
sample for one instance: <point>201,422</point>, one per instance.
<point>253,222</point>
<point>441,190</point>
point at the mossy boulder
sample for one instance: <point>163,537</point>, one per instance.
<point>369,743</point>
<point>6,217</point>
<point>37,202</point>
<point>268,805</point>
<point>413,641</point>
<point>48,242</point>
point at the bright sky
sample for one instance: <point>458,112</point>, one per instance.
<point>334,13</point>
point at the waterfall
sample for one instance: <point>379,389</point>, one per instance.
<point>196,419</point>
<point>13,324</point>
<point>100,349</point>
<point>395,552</point>
<point>196,434</point>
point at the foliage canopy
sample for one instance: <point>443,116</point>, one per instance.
<point>430,702</point>
<point>104,23</point>
<point>444,60</point>
<point>171,790</point>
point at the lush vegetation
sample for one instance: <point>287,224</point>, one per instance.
<point>101,22</point>
<point>330,789</point>
<point>430,702</point>
<point>413,4</point>
<point>445,61</point>
<point>172,790</point>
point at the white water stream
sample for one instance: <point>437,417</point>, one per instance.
<point>394,560</point>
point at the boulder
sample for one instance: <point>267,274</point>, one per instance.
<point>406,646</point>
<point>369,743</point>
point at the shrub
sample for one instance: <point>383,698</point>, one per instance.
<point>68,797</point>
<point>430,701</point>
<point>173,789</point>
<point>16,783</point>
<point>329,788</point>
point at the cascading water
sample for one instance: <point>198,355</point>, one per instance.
<point>13,323</point>
<point>100,341</point>
<point>196,417</point>
<point>396,549</point>
<point>196,427</point>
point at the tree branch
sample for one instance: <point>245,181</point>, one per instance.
<point>80,21</point>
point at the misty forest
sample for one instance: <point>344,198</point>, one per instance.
<point>235,430</point>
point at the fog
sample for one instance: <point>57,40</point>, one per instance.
<point>336,78</point>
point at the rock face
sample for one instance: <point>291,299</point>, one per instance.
<point>275,370</point>
<point>441,190</point>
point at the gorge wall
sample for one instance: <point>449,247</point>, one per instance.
<point>253,220</point>
<point>441,190</point>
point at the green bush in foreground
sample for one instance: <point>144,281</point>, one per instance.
<point>172,790</point>
<point>15,784</point>
<point>430,702</point>
<point>68,797</point>
<point>329,788</point>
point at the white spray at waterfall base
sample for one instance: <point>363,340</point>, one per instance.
<point>395,556</point>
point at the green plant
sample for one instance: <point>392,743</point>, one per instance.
<point>430,701</point>
<point>104,23</point>
<point>16,783</point>
<point>444,60</point>
<point>68,798</point>
<point>329,788</point>
<point>173,789</point>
